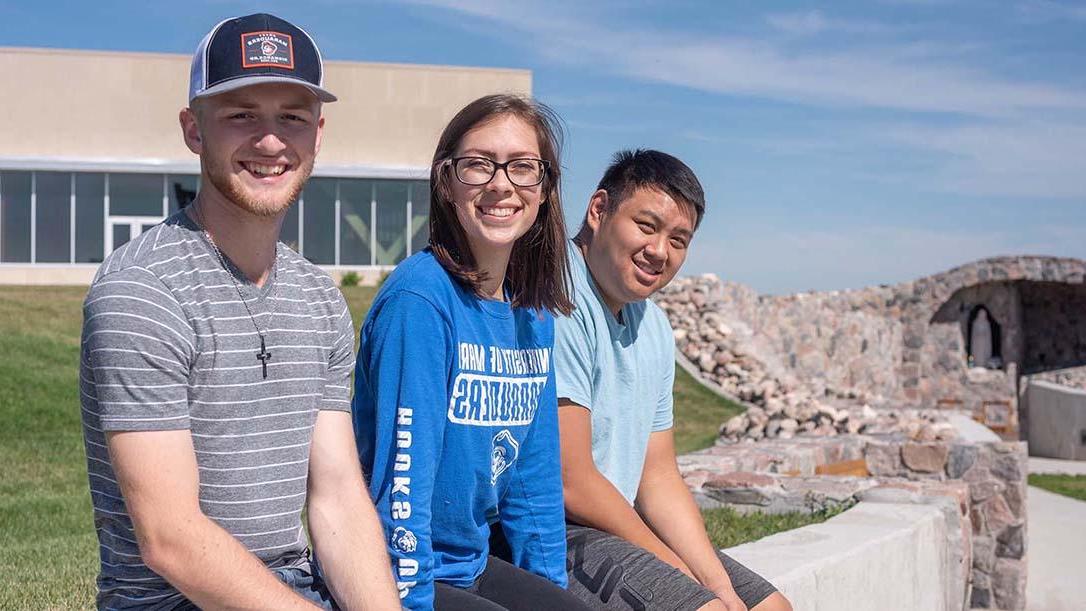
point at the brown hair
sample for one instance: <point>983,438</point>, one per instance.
<point>538,271</point>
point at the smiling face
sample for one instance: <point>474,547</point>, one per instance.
<point>496,214</point>
<point>637,247</point>
<point>256,144</point>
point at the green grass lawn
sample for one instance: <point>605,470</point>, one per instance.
<point>46,527</point>
<point>727,527</point>
<point>1073,486</point>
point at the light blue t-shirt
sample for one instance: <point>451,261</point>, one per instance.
<point>622,372</point>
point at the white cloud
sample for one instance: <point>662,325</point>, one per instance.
<point>1023,158</point>
<point>1039,11</point>
<point>998,135</point>
<point>810,23</point>
<point>908,77</point>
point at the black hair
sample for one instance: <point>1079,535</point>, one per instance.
<point>631,170</point>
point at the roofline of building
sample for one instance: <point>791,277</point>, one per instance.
<point>167,166</point>
<point>327,62</point>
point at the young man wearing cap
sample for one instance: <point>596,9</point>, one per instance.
<point>636,538</point>
<point>216,362</point>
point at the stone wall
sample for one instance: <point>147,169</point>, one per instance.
<point>1055,331</point>
<point>903,344</point>
<point>986,480</point>
<point>1074,377</point>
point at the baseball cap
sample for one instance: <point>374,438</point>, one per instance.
<point>254,49</point>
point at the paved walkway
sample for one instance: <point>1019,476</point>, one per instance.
<point>1054,465</point>
<point>1057,536</point>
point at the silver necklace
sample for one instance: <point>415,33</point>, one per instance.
<point>264,355</point>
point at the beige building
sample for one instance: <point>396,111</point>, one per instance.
<point>91,155</point>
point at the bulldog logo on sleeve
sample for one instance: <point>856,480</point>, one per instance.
<point>504,454</point>
<point>404,540</point>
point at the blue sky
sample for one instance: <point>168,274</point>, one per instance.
<point>841,144</point>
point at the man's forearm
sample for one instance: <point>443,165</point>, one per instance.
<point>595,502</point>
<point>350,542</point>
<point>670,511</point>
<point>194,554</point>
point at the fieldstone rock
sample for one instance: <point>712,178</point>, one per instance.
<point>1008,467</point>
<point>981,598</point>
<point>772,428</point>
<point>1012,542</point>
<point>982,491</point>
<point>706,361</point>
<point>997,515</point>
<point>735,425</point>
<point>960,460</point>
<point>924,457</point>
<point>1015,495</point>
<point>882,459</point>
<point>1009,584</point>
<point>741,479</point>
<point>984,553</point>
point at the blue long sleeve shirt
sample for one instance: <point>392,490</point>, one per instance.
<point>456,420</point>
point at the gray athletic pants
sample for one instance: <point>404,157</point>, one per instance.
<point>609,573</point>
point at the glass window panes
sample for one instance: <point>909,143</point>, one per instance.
<point>319,221</point>
<point>180,190</point>
<point>54,222</point>
<point>373,222</point>
<point>355,199</point>
<point>420,215</point>
<point>135,195</point>
<point>15,217</point>
<point>122,233</point>
<point>288,233</point>
<point>89,217</point>
<point>391,198</point>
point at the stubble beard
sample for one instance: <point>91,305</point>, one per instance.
<point>229,184</point>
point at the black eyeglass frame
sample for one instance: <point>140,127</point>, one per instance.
<point>499,166</point>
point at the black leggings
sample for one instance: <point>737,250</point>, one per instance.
<point>504,586</point>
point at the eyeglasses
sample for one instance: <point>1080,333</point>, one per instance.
<point>478,171</point>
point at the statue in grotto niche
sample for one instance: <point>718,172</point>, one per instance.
<point>983,344</point>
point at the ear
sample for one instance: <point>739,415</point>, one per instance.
<point>597,209</point>
<point>190,130</point>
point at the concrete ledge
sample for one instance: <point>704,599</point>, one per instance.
<point>873,556</point>
<point>1057,420</point>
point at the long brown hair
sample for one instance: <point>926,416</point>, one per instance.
<point>538,272</point>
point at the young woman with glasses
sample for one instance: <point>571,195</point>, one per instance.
<point>454,409</point>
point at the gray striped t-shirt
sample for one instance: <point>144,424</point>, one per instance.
<point>167,344</point>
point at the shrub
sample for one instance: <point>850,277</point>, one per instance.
<point>350,279</point>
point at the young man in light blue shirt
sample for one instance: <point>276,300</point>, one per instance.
<point>636,538</point>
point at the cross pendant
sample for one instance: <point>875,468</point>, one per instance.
<point>264,356</point>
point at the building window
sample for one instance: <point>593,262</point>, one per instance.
<point>181,191</point>
<point>390,197</point>
<point>135,195</point>
<point>53,214</point>
<point>71,217</point>
<point>15,191</point>
<point>288,233</point>
<point>355,201</point>
<point>90,214</point>
<point>420,216</point>
<point>319,221</point>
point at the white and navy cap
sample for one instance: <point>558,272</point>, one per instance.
<point>254,49</point>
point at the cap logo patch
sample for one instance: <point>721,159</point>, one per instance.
<point>267,49</point>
